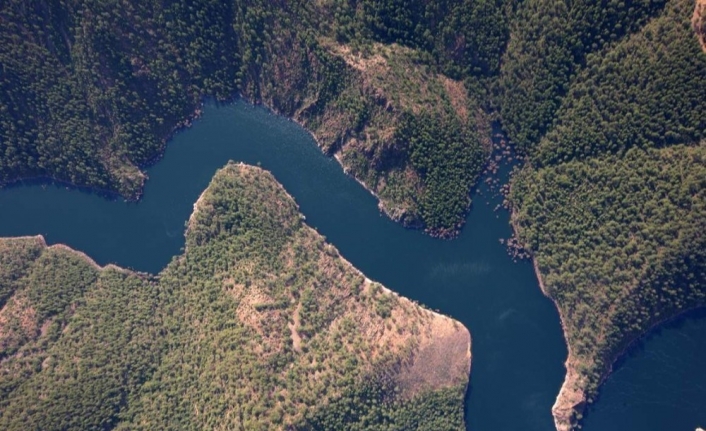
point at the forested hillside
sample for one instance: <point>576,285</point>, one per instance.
<point>549,45</point>
<point>619,244</point>
<point>259,325</point>
<point>612,203</point>
<point>91,89</point>
<point>604,101</point>
<point>77,341</point>
<point>401,90</point>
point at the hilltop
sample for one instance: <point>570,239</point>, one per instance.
<point>259,324</point>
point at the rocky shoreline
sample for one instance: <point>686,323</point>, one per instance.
<point>570,401</point>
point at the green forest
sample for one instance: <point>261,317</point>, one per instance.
<point>90,90</point>
<point>612,201</point>
<point>603,100</point>
<point>259,325</point>
<point>619,244</point>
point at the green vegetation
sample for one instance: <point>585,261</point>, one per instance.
<point>612,202</point>
<point>91,89</point>
<point>463,37</point>
<point>404,102</point>
<point>260,325</point>
<point>15,260</point>
<point>549,45</point>
<point>75,341</point>
<point>369,407</point>
<point>605,99</point>
<point>645,92</point>
<point>437,151</point>
<point>618,243</point>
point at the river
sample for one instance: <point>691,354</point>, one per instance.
<point>518,349</point>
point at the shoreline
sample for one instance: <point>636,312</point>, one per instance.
<point>110,194</point>
<point>381,203</point>
<point>337,156</point>
<point>79,253</point>
<point>187,123</point>
<point>44,180</point>
<point>562,422</point>
<point>568,400</point>
<point>571,401</point>
<point>234,167</point>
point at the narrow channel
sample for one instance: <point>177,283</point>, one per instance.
<point>518,349</point>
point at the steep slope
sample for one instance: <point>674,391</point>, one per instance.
<point>259,325</point>
<point>549,44</point>
<point>619,245</point>
<point>410,135</point>
<point>91,89</point>
<point>612,202</point>
<point>645,92</point>
<point>77,340</point>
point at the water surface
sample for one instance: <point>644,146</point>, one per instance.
<point>518,348</point>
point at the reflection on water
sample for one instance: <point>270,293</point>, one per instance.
<point>444,271</point>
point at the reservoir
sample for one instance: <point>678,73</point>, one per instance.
<point>518,349</point>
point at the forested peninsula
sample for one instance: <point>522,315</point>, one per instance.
<point>612,202</point>
<point>603,100</point>
<point>259,325</point>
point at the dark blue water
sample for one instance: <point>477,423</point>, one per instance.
<point>518,349</point>
<point>660,384</point>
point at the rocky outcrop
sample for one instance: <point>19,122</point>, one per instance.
<point>571,399</point>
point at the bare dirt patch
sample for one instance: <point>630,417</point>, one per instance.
<point>698,22</point>
<point>571,398</point>
<point>294,329</point>
<point>442,358</point>
<point>458,95</point>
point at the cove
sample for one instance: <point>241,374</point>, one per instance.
<point>518,348</point>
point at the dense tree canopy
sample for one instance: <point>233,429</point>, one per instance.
<point>604,98</point>
<point>259,325</point>
<point>612,201</point>
<point>619,242</point>
<point>549,44</point>
<point>91,89</point>
<point>645,92</point>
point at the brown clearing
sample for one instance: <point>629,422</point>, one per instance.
<point>698,22</point>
